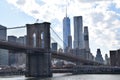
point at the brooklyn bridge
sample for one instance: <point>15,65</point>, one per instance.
<point>39,54</point>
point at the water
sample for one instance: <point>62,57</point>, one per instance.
<point>67,77</point>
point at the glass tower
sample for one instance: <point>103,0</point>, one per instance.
<point>66,32</point>
<point>99,57</point>
<point>78,33</point>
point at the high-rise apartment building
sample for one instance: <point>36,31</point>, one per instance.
<point>78,32</point>
<point>66,32</point>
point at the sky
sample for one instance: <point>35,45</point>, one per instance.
<point>101,16</point>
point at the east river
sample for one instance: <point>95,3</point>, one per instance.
<point>68,77</point>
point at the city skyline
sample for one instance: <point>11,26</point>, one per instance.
<point>102,18</point>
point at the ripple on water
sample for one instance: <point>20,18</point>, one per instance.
<point>67,77</point>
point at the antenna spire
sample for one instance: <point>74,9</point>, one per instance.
<point>66,10</point>
<point>66,7</point>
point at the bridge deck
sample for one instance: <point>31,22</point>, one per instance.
<point>18,47</point>
<point>27,49</point>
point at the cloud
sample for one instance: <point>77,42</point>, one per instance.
<point>117,3</point>
<point>20,2</point>
<point>34,12</point>
<point>92,1</point>
<point>98,15</point>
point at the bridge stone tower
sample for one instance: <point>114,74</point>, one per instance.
<point>38,64</point>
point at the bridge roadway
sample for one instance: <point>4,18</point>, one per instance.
<point>59,55</point>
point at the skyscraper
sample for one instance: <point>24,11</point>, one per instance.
<point>115,57</point>
<point>86,39</point>
<point>70,42</point>
<point>54,46</point>
<point>99,57</point>
<point>66,31</point>
<point>107,59</point>
<point>78,32</point>
<point>17,58</point>
<point>3,52</point>
<point>21,56</point>
<point>12,56</point>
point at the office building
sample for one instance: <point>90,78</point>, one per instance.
<point>78,32</point>
<point>107,60</point>
<point>66,32</point>
<point>54,46</point>
<point>115,57</point>
<point>21,56</point>
<point>12,54</point>
<point>88,54</point>
<point>3,52</point>
<point>99,57</point>
<point>70,42</point>
<point>3,33</point>
<point>86,39</point>
<point>17,58</point>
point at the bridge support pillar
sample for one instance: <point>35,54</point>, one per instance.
<point>38,65</point>
<point>39,62</point>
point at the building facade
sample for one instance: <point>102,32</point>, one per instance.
<point>54,46</point>
<point>12,55</point>
<point>78,32</point>
<point>107,59</point>
<point>17,58</point>
<point>86,39</point>
<point>115,58</point>
<point>21,56</point>
<point>3,52</point>
<point>70,42</point>
<point>99,57</point>
<point>66,32</point>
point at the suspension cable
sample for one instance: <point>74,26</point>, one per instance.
<point>58,35</point>
<point>12,28</point>
<point>56,41</point>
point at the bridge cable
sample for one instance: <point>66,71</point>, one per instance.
<point>56,41</point>
<point>12,28</point>
<point>58,35</point>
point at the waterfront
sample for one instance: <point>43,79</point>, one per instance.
<point>68,77</point>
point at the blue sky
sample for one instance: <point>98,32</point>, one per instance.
<point>11,16</point>
<point>101,16</point>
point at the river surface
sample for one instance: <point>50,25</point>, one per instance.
<point>68,77</point>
